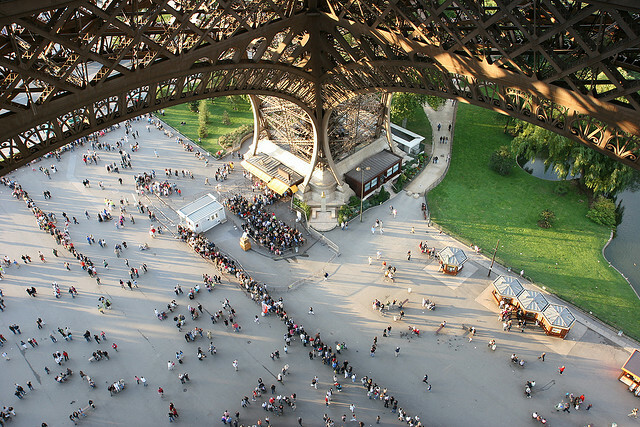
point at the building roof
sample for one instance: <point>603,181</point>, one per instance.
<point>274,169</point>
<point>508,286</point>
<point>200,208</point>
<point>377,164</point>
<point>532,301</point>
<point>559,315</point>
<point>452,256</point>
<point>405,136</point>
<point>633,363</point>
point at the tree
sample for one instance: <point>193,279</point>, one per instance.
<point>603,212</point>
<point>403,105</point>
<point>193,106</point>
<point>203,113</point>
<point>598,172</point>
<point>501,161</point>
<point>435,102</point>
<point>236,101</point>
<point>203,119</point>
<point>226,120</point>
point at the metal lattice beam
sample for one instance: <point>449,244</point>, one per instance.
<point>68,68</point>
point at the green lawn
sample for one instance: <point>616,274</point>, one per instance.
<point>180,113</point>
<point>480,206</point>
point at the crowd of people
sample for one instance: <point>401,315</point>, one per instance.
<point>319,350</point>
<point>263,226</point>
<point>47,223</point>
<point>145,182</point>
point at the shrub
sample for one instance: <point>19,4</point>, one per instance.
<point>193,106</point>
<point>347,212</point>
<point>562,188</point>
<point>501,161</point>
<point>546,218</point>
<point>383,196</point>
<point>231,138</point>
<point>354,201</point>
<point>603,212</point>
<point>398,184</point>
<point>303,206</point>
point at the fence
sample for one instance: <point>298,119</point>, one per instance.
<point>315,233</point>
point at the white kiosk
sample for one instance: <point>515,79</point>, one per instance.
<point>202,214</point>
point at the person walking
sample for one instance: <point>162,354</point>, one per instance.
<point>541,357</point>
<point>235,364</point>
<point>634,413</point>
<point>561,370</point>
<point>397,351</point>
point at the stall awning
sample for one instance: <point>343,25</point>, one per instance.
<point>278,186</point>
<point>255,171</point>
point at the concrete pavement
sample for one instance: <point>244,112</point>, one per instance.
<point>470,383</point>
<point>433,173</point>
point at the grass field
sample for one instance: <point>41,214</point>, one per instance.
<point>180,113</point>
<point>480,206</point>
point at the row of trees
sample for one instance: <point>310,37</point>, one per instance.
<point>200,107</point>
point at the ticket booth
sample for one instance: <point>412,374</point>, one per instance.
<point>557,320</point>
<point>507,288</point>
<point>630,375</point>
<point>451,260</point>
<point>532,303</point>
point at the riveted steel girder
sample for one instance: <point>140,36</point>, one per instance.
<point>69,68</point>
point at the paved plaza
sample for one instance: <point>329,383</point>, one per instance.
<point>470,383</point>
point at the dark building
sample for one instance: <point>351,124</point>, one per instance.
<point>382,167</point>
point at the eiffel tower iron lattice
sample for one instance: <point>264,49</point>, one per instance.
<point>69,68</point>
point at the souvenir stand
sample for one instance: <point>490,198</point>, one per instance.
<point>507,288</point>
<point>532,304</point>
<point>557,320</point>
<point>451,260</point>
<point>631,373</point>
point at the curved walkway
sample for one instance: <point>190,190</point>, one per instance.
<point>434,173</point>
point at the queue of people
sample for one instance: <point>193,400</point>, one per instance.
<point>263,226</point>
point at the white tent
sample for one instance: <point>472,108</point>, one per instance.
<point>202,214</point>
